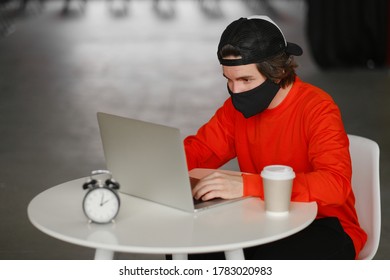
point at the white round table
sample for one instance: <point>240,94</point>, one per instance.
<point>150,228</point>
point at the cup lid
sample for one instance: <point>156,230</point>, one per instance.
<point>278,172</point>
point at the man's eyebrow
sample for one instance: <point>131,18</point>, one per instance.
<point>240,78</point>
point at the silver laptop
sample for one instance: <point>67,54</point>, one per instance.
<point>148,161</point>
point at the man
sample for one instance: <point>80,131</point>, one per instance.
<point>272,117</point>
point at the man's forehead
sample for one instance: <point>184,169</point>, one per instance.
<point>249,70</point>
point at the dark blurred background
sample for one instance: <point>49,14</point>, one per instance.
<point>62,61</point>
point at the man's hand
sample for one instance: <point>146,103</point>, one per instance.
<point>219,185</point>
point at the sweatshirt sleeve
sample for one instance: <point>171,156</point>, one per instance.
<point>329,181</point>
<point>213,145</point>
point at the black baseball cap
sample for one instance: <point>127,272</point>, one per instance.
<point>257,38</point>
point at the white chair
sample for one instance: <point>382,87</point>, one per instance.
<point>365,183</point>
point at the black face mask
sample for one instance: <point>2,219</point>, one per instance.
<point>256,100</point>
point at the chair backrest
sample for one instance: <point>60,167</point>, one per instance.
<point>365,184</point>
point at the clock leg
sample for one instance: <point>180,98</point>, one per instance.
<point>103,254</point>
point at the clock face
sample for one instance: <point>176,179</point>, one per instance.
<point>101,205</point>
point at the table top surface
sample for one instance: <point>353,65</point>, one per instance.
<point>147,227</point>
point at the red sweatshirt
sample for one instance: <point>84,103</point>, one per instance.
<point>305,132</point>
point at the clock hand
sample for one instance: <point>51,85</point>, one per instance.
<point>105,202</point>
<point>101,201</point>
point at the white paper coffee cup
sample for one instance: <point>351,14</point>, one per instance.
<point>277,183</point>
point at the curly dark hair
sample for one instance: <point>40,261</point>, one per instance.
<point>280,68</point>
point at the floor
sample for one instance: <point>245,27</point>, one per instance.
<point>152,60</point>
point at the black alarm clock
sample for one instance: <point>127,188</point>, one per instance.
<point>101,203</point>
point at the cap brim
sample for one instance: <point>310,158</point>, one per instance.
<point>294,49</point>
